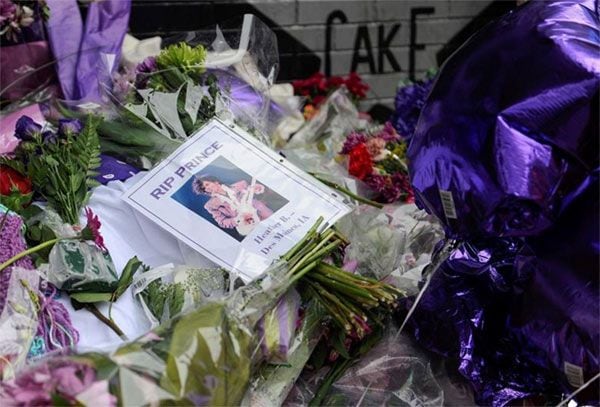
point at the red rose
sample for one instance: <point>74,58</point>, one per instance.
<point>10,179</point>
<point>317,100</point>
<point>335,82</point>
<point>359,162</point>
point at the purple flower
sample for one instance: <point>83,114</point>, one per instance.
<point>144,70</point>
<point>388,133</point>
<point>49,137</point>
<point>376,182</point>
<point>148,65</point>
<point>68,127</point>
<point>409,101</point>
<point>352,141</point>
<point>7,11</point>
<point>26,129</point>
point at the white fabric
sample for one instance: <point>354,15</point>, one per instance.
<point>126,234</point>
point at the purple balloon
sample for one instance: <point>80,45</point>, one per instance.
<point>511,124</point>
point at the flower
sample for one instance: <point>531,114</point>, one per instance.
<point>309,111</point>
<point>359,162</point>
<point>184,57</point>
<point>123,83</point>
<point>25,16</point>
<point>376,147</point>
<point>352,141</point>
<point>388,133</point>
<point>335,82</point>
<point>11,180</point>
<point>49,137</point>
<point>91,232</point>
<point>409,101</point>
<point>143,72</point>
<point>356,86</point>
<point>62,380</point>
<point>69,127</point>
<point>26,129</point>
<point>376,182</point>
<point>7,11</point>
<point>148,65</point>
<point>317,100</point>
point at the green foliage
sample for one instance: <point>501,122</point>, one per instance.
<point>63,172</point>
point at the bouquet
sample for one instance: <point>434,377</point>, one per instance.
<point>317,88</point>
<point>158,105</point>
<point>408,103</point>
<point>378,158</point>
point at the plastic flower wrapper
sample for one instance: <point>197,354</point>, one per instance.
<point>392,372</point>
<point>168,291</point>
<point>273,382</point>
<point>54,329</point>
<point>395,239</point>
<point>18,320</point>
<point>317,88</point>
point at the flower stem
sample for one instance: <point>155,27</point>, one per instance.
<point>92,308</point>
<point>347,192</point>
<point>29,251</point>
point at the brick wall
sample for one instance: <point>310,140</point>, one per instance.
<point>376,37</point>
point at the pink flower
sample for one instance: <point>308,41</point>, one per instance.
<point>68,380</point>
<point>91,232</point>
<point>7,11</point>
<point>388,133</point>
<point>376,147</point>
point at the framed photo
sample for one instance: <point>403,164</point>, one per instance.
<point>233,200</point>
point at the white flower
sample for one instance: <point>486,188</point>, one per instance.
<point>26,16</point>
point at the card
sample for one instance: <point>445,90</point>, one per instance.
<point>233,200</point>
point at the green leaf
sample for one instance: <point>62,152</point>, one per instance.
<point>132,266</point>
<point>338,344</point>
<point>76,181</point>
<point>88,297</point>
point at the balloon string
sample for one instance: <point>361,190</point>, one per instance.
<point>586,384</point>
<point>438,259</point>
